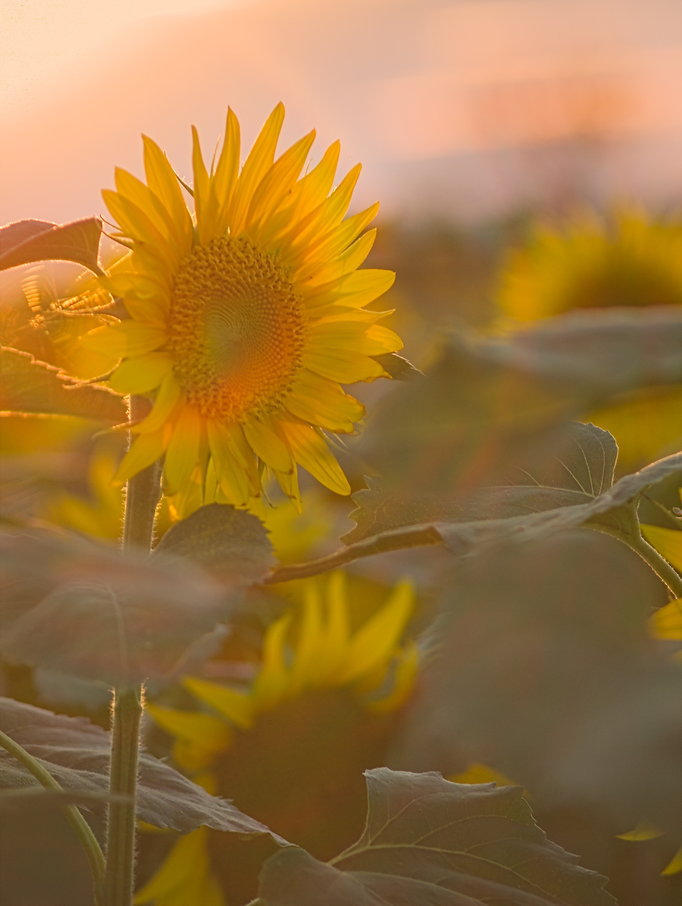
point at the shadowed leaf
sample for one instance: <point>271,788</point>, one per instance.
<point>96,613</point>
<point>36,388</point>
<point>38,240</point>
<point>231,543</point>
<point>542,666</point>
<point>77,753</point>
<point>571,488</point>
<point>445,844</point>
<point>487,401</point>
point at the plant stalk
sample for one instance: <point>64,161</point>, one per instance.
<point>142,495</point>
<point>664,570</point>
<point>73,815</point>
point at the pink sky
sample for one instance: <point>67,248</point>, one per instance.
<point>463,108</point>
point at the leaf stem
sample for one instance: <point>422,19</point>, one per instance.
<point>142,495</point>
<point>664,570</point>
<point>73,815</point>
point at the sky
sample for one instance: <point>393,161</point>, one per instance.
<point>465,109</point>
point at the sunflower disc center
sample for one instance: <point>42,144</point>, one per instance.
<point>236,334</point>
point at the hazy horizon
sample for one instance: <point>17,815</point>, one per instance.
<point>465,109</point>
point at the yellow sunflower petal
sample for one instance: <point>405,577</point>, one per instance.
<point>666,622</point>
<point>203,735</point>
<point>355,290</point>
<point>344,366</point>
<point>256,165</point>
<point>338,239</point>
<point>272,681</point>
<point>128,338</point>
<point>277,183</point>
<point>674,867</point>
<point>375,642</point>
<point>185,877</point>
<point>351,259</point>
<point>324,217</point>
<point>139,225</point>
<point>406,666</point>
<point>311,451</point>
<point>164,183</point>
<point>232,476</point>
<point>308,667</point>
<point>319,401</point>
<point>268,446</point>
<point>164,408</point>
<point>231,704</point>
<point>141,374</point>
<point>643,831</point>
<point>202,182</point>
<point>355,337</point>
<point>314,186</point>
<point>144,450</point>
<point>225,175</point>
<point>182,455</point>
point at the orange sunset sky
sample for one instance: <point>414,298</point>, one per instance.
<point>458,108</point>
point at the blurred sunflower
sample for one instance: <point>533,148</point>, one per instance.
<point>245,317</point>
<point>626,260</point>
<point>290,749</point>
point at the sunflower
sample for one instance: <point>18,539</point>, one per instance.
<point>245,317</point>
<point>289,749</point>
<point>625,260</point>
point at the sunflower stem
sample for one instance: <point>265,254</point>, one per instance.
<point>73,815</point>
<point>142,495</point>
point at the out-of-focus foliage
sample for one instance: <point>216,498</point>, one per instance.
<point>536,647</point>
<point>625,260</point>
<point>428,840</point>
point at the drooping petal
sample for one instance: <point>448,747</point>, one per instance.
<point>311,451</point>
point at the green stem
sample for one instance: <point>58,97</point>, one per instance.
<point>142,495</point>
<point>665,572</point>
<point>73,815</point>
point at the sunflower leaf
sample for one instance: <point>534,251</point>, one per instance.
<point>564,485</point>
<point>487,401</point>
<point>230,542</point>
<point>94,612</point>
<point>448,844</point>
<point>28,386</point>
<point>541,665</point>
<point>27,241</point>
<point>77,753</point>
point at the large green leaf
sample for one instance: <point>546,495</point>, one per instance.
<point>486,401</point>
<point>571,487</point>
<point>32,387</point>
<point>77,753</point>
<point>99,614</point>
<point>565,484</point>
<point>428,841</point>
<point>543,667</point>
<point>229,542</point>
<point>27,241</point>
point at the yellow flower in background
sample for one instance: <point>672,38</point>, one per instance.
<point>592,262</point>
<point>245,317</point>
<point>627,259</point>
<point>319,680</point>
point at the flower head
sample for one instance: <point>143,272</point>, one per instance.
<point>291,747</point>
<point>626,260</point>
<point>245,316</point>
